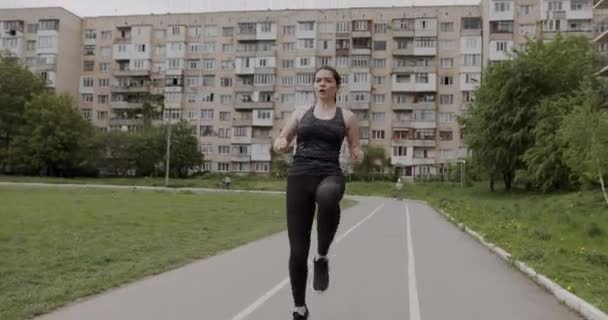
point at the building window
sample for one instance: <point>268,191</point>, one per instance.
<point>225,116</point>
<point>502,6</point>
<point>377,134</point>
<point>223,166</point>
<point>446,26</point>
<point>342,27</point>
<point>447,80</point>
<point>471,23</point>
<point>379,45</point>
<point>446,99</point>
<point>380,28</point>
<point>289,30</point>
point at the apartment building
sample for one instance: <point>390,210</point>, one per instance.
<point>235,77</point>
<point>510,22</point>
<point>48,42</point>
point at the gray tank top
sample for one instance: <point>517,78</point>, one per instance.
<point>318,145</point>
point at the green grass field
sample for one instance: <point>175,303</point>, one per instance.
<point>61,244</point>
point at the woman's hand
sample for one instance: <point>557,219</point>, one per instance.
<point>357,155</point>
<point>280,145</point>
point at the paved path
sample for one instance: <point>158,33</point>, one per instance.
<point>391,260</point>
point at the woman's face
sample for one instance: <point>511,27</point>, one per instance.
<point>325,85</point>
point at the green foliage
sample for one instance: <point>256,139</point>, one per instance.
<point>511,126</point>
<point>585,136</point>
<point>185,155</point>
<point>54,138</point>
<point>143,153</point>
<point>17,86</point>
<point>375,165</point>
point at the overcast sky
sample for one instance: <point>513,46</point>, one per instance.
<point>87,8</point>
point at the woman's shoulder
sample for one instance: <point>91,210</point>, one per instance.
<point>347,115</point>
<point>300,112</point>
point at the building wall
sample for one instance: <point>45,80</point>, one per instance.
<point>62,73</point>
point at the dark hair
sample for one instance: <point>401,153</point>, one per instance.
<point>334,73</point>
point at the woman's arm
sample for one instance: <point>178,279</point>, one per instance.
<point>288,132</point>
<point>352,135</point>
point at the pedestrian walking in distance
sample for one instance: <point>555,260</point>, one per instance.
<point>315,180</point>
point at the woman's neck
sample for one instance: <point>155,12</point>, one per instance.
<point>326,104</point>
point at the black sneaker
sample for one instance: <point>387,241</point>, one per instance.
<point>321,276</point>
<point>297,316</point>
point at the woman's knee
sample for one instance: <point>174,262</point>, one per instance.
<point>330,190</point>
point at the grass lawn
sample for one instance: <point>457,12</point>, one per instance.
<point>564,236</point>
<point>57,245</point>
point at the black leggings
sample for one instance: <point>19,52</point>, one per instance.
<point>302,194</point>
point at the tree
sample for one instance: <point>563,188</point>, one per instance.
<point>374,161</point>
<point>185,154</point>
<point>544,162</point>
<point>17,86</point>
<point>147,150</point>
<point>584,132</point>
<point>116,156</point>
<point>54,138</point>
<point>500,124</point>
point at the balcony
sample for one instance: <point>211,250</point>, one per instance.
<point>426,33</point>
<point>401,123</point>
<point>407,82</point>
<point>414,69</point>
<point>126,72</point>
<point>418,124</point>
<point>425,105</point>
<point>261,140</point>
<point>263,87</point>
<point>470,32</point>
<point>130,89</point>
<point>236,122</point>
<point>425,51</point>
<point>240,140</point>
<point>240,157</point>
<point>342,51</point>
<point>46,67</point>
<point>126,105</point>
<point>361,51</point>
<point>409,51</point>
<point>246,36</point>
<point>126,122</point>
<point>423,161</point>
<point>121,40</point>
<point>424,143</point>
<point>240,105</point>
<point>409,33</point>
<point>359,105</point>
<point>241,87</point>
<point>402,106</point>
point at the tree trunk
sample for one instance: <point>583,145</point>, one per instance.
<point>599,169</point>
<point>492,182</point>
<point>508,178</point>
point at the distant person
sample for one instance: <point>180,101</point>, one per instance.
<point>227,182</point>
<point>316,177</point>
<point>398,187</point>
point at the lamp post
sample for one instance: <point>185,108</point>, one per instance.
<point>462,171</point>
<point>168,153</point>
